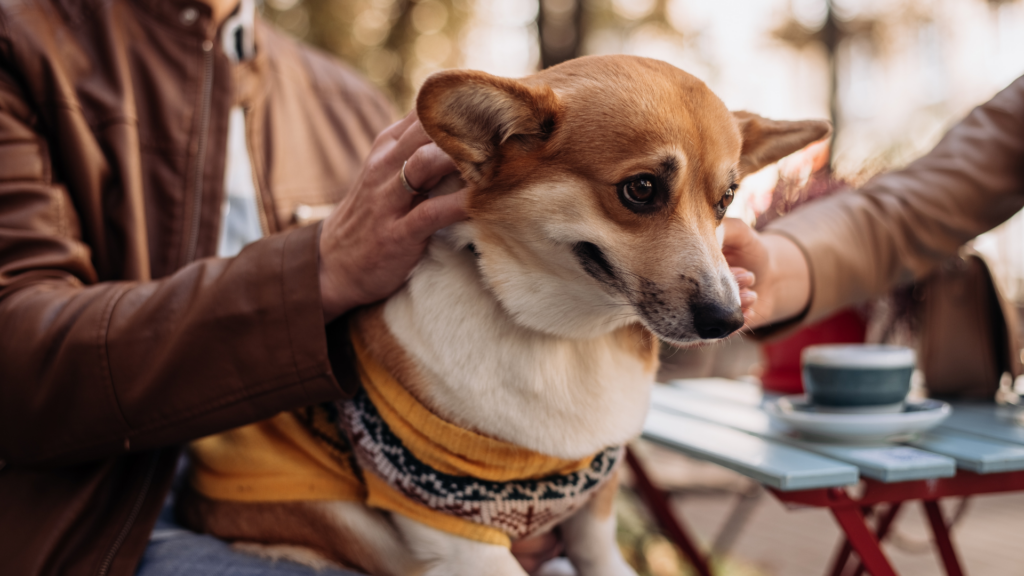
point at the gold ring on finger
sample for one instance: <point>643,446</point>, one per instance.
<point>405,181</point>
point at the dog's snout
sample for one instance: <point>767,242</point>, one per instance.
<point>713,321</point>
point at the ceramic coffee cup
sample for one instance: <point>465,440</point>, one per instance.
<point>857,377</point>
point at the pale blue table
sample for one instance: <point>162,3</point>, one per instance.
<point>979,449</point>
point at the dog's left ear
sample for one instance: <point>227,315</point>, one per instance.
<point>472,115</point>
<point>766,141</point>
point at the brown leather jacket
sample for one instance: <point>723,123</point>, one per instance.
<point>120,337</point>
<point>900,226</point>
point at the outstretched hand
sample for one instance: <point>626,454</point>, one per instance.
<point>379,230</point>
<point>771,271</point>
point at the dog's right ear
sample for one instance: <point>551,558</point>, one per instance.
<point>767,141</point>
<point>471,115</point>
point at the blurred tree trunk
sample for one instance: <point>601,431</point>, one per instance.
<point>831,36</point>
<point>560,27</point>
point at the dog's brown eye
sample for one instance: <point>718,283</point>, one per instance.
<point>726,200</point>
<point>640,193</point>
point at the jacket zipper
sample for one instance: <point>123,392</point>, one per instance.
<point>204,129</point>
<point>260,208</point>
<point>132,516</point>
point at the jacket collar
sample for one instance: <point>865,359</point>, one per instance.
<point>188,16</point>
<point>196,19</point>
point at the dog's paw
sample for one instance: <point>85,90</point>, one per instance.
<point>297,554</point>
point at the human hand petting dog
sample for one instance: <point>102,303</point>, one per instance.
<point>375,236</point>
<point>772,273</point>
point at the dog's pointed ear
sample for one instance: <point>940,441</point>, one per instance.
<point>766,141</point>
<point>471,115</point>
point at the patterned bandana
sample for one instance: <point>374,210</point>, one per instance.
<point>453,479</point>
<point>516,507</point>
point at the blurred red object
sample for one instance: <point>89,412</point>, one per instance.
<point>782,357</point>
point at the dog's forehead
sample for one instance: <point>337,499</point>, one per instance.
<point>621,108</point>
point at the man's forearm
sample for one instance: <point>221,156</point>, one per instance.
<point>90,371</point>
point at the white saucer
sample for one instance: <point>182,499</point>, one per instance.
<point>796,413</point>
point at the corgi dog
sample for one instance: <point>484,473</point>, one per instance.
<point>502,380</point>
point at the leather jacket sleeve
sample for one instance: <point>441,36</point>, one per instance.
<point>91,369</point>
<point>901,225</point>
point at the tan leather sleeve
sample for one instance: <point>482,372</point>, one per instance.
<point>900,225</point>
<point>91,368</point>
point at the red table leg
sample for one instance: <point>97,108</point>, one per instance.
<point>657,502</point>
<point>862,540</point>
<point>845,551</point>
<point>848,515</point>
<point>883,528</point>
<point>941,532</point>
<point>842,557</point>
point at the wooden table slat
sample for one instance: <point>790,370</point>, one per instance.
<point>977,440</point>
<point>773,464</point>
<point>735,391</point>
<point>987,421</point>
<point>974,453</point>
<point>883,461</point>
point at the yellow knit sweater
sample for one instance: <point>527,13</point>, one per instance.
<point>302,455</point>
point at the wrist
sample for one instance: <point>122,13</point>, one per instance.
<point>335,297</point>
<point>791,277</point>
<point>332,305</point>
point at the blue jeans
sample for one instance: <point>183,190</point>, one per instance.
<point>177,551</point>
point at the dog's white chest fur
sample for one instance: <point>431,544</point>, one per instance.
<point>565,398</point>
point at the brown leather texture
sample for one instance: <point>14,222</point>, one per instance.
<point>900,226</point>
<point>121,337</point>
<point>968,330</point>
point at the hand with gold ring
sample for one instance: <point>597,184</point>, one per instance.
<point>407,189</point>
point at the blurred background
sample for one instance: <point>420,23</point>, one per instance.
<point>892,75</point>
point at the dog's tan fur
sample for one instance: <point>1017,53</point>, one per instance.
<point>532,322</point>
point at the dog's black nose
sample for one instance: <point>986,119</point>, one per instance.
<point>714,321</point>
